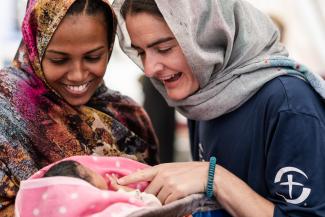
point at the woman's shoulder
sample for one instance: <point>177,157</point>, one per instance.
<point>13,73</point>
<point>291,94</point>
<point>8,83</point>
<point>10,77</point>
<point>287,94</point>
<point>126,110</point>
<point>113,100</point>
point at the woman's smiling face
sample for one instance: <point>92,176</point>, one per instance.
<point>75,60</point>
<point>161,55</point>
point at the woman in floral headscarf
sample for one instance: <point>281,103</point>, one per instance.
<point>53,101</point>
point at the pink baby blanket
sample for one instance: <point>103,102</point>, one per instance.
<point>73,197</point>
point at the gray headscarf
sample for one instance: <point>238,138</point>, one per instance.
<point>232,48</point>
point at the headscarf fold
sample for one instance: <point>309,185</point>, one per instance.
<point>38,127</point>
<point>232,48</point>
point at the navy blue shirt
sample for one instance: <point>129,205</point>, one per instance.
<point>275,142</point>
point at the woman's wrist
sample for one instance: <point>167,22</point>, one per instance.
<point>217,182</point>
<point>230,192</point>
<point>224,184</point>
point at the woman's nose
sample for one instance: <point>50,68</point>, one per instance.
<point>152,66</point>
<point>78,73</point>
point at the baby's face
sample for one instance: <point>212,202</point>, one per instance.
<point>96,179</point>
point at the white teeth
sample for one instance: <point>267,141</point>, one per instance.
<point>168,77</point>
<point>79,88</point>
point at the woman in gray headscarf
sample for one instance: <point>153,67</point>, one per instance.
<point>262,115</point>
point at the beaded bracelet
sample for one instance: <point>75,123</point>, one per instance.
<point>212,166</point>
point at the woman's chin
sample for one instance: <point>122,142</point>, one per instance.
<point>77,102</point>
<point>176,96</point>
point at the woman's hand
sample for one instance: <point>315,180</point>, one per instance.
<point>115,186</point>
<point>171,181</point>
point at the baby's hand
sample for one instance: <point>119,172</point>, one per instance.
<point>114,186</point>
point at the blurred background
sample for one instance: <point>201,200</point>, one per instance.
<point>302,23</point>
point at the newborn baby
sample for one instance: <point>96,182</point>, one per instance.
<point>75,169</point>
<point>83,186</point>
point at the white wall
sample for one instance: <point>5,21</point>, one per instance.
<point>9,35</point>
<point>122,75</point>
<point>305,29</point>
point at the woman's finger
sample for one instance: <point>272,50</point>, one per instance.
<point>163,194</point>
<point>155,186</point>
<point>171,198</point>
<point>116,187</point>
<point>142,175</point>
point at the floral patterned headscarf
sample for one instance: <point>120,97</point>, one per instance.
<point>38,127</point>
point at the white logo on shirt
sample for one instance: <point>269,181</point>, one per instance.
<point>291,184</point>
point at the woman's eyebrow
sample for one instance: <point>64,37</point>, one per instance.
<point>96,49</point>
<point>159,41</point>
<point>63,53</point>
<point>56,52</point>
